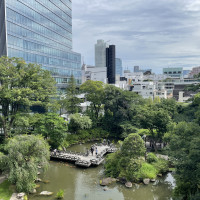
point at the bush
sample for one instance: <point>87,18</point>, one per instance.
<point>112,165</point>
<point>162,166</point>
<point>151,157</point>
<point>60,194</point>
<point>133,168</point>
<point>147,171</point>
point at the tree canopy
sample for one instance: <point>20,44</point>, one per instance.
<point>21,86</point>
<point>24,154</point>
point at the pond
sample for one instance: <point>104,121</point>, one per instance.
<point>83,184</point>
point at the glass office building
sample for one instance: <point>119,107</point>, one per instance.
<point>40,31</point>
<point>119,69</point>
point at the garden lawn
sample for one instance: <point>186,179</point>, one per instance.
<point>5,190</point>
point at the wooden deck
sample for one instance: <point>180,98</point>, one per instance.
<point>82,159</point>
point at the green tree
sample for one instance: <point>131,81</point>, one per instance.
<point>71,102</point>
<point>133,146</point>
<point>156,121</point>
<point>185,150</point>
<point>25,154</point>
<point>51,126</point>
<point>94,92</point>
<point>78,122</point>
<point>21,86</point>
<point>119,106</point>
<point>127,161</point>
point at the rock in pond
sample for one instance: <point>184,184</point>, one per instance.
<point>38,180</point>
<point>107,181</point>
<point>146,181</point>
<point>128,184</point>
<point>153,180</point>
<point>33,191</point>
<point>46,193</point>
<point>160,175</point>
<point>17,196</point>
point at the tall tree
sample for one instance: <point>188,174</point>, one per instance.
<point>94,92</point>
<point>185,150</point>
<point>156,121</point>
<point>21,86</point>
<point>119,106</point>
<point>51,126</point>
<point>71,102</point>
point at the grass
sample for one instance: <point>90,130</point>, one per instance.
<point>5,190</point>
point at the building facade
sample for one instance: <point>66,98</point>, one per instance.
<point>100,53</point>
<point>174,72</point>
<point>194,71</point>
<point>40,32</point>
<point>94,73</point>
<point>119,68</point>
<point>110,64</point>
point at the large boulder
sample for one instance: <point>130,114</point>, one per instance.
<point>21,195</point>
<point>33,191</point>
<point>107,181</point>
<point>17,196</point>
<point>128,184</point>
<point>146,181</point>
<point>46,193</point>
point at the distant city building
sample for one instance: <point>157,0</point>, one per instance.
<point>110,64</point>
<point>137,69</point>
<point>173,72</point>
<point>194,71</point>
<point>40,32</point>
<point>94,73</point>
<point>100,53</point>
<point>180,93</point>
<point>186,73</point>
<point>119,69</point>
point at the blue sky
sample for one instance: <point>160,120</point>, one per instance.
<point>149,33</point>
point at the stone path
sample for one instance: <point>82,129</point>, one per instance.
<point>83,159</point>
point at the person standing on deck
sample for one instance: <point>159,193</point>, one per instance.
<point>96,151</point>
<point>92,150</point>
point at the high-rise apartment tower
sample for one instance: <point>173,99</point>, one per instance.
<point>40,31</point>
<point>110,63</point>
<point>100,54</point>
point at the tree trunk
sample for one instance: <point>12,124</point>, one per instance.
<point>154,146</point>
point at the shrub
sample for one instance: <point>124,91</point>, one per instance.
<point>147,171</point>
<point>60,194</point>
<point>112,165</point>
<point>162,166</point>
<point>151,157</point>
<point>133,168</point>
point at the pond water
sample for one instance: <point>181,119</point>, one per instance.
<point>83,184</point>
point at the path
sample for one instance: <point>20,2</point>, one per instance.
<point>82,159</point>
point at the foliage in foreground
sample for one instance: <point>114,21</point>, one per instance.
<point>24,154</point>
<point>60,194</point>
<point>185,150</point>
<point>22,86</point>
<point>5,190</point>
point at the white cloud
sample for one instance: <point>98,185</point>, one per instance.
<point>148,33</point>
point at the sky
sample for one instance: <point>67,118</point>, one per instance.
<point>148,33</point>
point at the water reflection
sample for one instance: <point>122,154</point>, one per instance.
<point>83,184</point>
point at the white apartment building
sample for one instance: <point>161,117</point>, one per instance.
<point>94,73</point>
